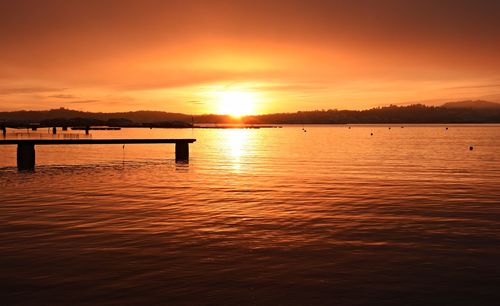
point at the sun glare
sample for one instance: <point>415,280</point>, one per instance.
<point>236,103</point>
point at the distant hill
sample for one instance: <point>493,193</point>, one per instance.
<point>453,112</point>
<point>478,104</point>
<point>416,113</point>
<point>63,113</point>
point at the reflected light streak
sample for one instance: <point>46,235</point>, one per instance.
<point>237,142</point>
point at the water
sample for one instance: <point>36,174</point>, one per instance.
<point>258,217</point>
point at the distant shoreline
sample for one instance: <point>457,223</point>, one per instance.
<point>240,126</point>
<point>473,112</point>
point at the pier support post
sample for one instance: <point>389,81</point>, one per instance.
<point>25,156</point>
<point>54,130</point>
<point>4,131</point>
<point>181,152</point>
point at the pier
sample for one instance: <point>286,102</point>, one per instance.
<point>26,147</point>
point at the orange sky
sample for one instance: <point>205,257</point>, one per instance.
<point>199,56</point>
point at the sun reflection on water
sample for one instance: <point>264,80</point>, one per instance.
<point>237,141</point>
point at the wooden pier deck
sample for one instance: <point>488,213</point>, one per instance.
<point>26,147</point>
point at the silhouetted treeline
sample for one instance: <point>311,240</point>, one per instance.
<point>454,112</point>
<point>115,122</point>
<point>392,114</point>
<point>63,113</point>
<point>72,118</point>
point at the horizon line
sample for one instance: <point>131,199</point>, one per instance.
<point>249,115</point>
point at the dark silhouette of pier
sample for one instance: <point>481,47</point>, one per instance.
<point>26,147</point>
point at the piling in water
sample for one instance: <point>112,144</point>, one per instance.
<point>182,152</point>
<point>26,156</point>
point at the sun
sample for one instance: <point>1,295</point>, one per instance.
<point>236,103</point>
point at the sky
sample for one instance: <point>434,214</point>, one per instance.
<point>246,57</point>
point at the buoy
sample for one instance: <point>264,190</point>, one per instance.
<point>471,148</point>
<point>446,128</point>
<point>371,134</point>
<point>389,128</point>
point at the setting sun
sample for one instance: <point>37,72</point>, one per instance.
<point>236,103</point>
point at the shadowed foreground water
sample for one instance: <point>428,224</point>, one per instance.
<point>259,217</point>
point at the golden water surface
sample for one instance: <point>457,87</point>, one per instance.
<point>333,215</point>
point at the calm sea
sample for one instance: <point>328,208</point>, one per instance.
<point>331,216</point>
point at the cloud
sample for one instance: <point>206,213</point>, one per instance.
<point>83,101</point>
<point>293,87</point>
<point>196,102</point>
<point>475,86</point>
<point>26,90</point>
<point>167,80</point>
<point>62,96</point>
<point>495,97</point>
